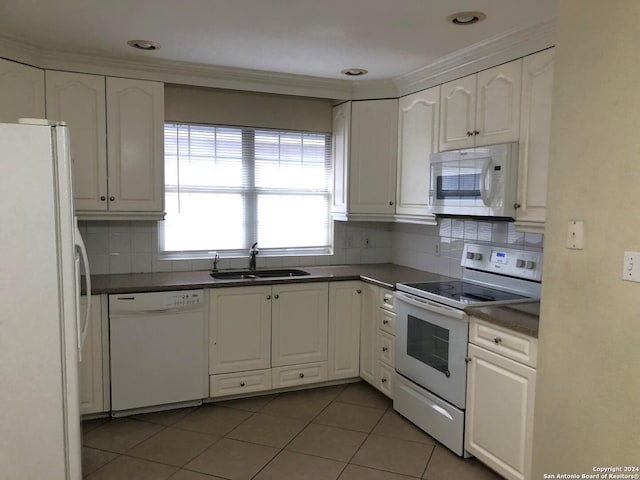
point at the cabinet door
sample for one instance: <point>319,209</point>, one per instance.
<point>239,329</point>
<point>79,100</point>
<point>372,161</point>
<point>498,104</point>
<point>499,421</point>
<point>135,132</point>
<point>91,366</point>
<point>344,329</point>
<point>340,156</point>
<point>368,333</point>
<point>21,92</point>
<point>299,316</point>
<point>458,113</point>
<point>418,129</point>
<point>535,125</point>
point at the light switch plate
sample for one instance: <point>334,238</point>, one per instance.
<point>575,235</point>
<point>631,268</point>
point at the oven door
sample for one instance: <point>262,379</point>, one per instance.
<point>431,346</point>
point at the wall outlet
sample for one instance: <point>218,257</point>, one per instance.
<point>348,241</point>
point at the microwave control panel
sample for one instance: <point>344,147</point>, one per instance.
<point>506,261</point>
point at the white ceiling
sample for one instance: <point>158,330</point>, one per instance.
<point>316,38</point>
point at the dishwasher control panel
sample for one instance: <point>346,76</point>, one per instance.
<point>156,301</point>
<point>182,299</point>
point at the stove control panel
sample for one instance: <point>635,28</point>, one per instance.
<point>506,261</point>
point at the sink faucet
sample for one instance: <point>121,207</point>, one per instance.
<point>215,260</point>
<point>253,251</point>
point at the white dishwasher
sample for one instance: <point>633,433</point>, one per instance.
<point>158,346</point>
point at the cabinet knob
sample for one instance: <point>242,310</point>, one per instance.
<point>497,340</point>
<point>112,198</point>
<point>516,205</point>
<point>384,349</point>
<point>476,132</point>
<point>302,375</point>
<point>276,296</point>
<point>268,297</point>
<point>469,133</point>
<point>390,203</point>
<point>242,384</point>
<point>385,322</point>
<point>467,360</point>
<point>358,291</point>
<point>383,380</point>
<point>103,198</point>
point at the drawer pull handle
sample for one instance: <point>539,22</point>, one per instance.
<point>302,375</point>
<point>385,322</point>
<point>497,340</point>
<point>384,380</point>
<point>384,349</point>
<point>242,384</point>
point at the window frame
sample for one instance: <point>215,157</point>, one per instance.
<point>250,193</point>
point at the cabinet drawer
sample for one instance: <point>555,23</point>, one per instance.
<point>299,374</point>
<point>387,321</point>
<point>385,380</point>
<point>513,345</point>
<point>238,383</point>
<point>386,348</point>
<point>388,300</point>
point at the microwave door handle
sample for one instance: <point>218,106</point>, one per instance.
<point>484,194</point>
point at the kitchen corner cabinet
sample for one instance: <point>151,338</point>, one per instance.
<point>21,92</point>
<point>345,300</point>
<point>481,109</point>
<point>94,394</point>
<point>364,160</point>
<point>500,399</point>
<point>535,133</point>
<point>117,137</point>
<point>418,132</point>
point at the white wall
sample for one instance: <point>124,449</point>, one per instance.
<point>587,410</point>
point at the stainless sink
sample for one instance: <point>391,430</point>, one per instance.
<point>254,274</point>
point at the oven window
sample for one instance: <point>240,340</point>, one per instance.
<point>458,186</point>
<point>428,343</point>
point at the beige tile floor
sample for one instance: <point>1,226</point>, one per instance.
<point>345,432</point>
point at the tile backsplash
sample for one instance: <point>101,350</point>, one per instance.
<point>131,247</point>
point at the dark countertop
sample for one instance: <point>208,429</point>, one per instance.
<point>382,274</point>
<point>519,317</point>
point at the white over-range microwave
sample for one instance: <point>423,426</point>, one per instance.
<point>480,181</point>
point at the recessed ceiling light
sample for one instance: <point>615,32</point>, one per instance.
<point>143,44</point>
<point>466,18</point>
<point>354,72</point>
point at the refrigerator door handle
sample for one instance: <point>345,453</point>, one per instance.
<point>82,327</point>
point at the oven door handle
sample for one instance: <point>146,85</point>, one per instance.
<point>430,306</point>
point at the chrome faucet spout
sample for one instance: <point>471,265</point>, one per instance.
<point>253,251</point>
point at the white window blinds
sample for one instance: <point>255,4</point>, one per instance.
<point>227,187</point>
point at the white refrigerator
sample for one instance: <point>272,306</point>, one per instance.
<point>41,326</point>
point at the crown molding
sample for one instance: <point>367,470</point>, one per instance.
<point>494,51</point>
<point>480,56</point>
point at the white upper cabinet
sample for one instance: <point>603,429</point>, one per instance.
<point>535,133</point>
<point>79,100</point>
<point>340,157</point>
<point>364,160</point>
<point>481,109</point>
<point>135,133</point>
<point>21,92</point>
<point>418,131</point>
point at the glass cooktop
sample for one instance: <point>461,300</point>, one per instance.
<point>463,292</point>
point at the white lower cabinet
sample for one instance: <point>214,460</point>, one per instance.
<point>345,299</point>
<point>368,329</point>
<point>94,394</point>
<point>252,329</point>
<point>500,401</point>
